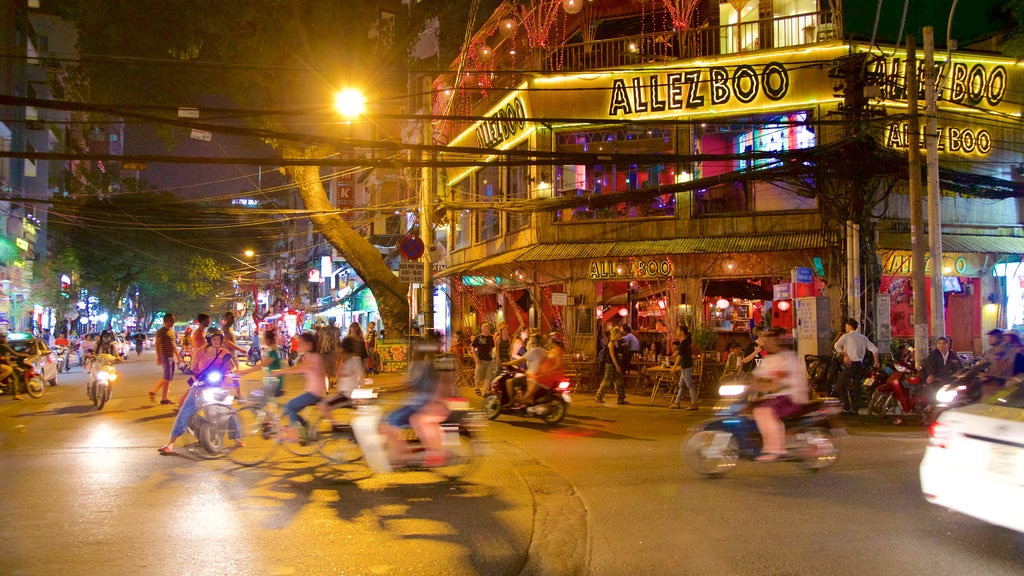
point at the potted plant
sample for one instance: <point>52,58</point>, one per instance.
<point>704,338</point>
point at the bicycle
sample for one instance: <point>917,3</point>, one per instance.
<point>259,422</point>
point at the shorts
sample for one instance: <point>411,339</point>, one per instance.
<point>483,370</point>
<point>400,418</point>
<point>782,405</point>
<point>168,365</point>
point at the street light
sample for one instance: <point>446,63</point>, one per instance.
<point>350,102</point>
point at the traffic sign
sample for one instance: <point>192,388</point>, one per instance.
<point>410,272</point>
<point>411,247</point>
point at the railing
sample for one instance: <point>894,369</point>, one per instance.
<point>797,30</point>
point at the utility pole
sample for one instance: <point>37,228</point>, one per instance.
<point>916,211</point>
<point>931,139</point>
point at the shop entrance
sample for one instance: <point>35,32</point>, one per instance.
<point>643,306</point>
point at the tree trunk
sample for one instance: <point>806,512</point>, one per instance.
<point>365,259</point>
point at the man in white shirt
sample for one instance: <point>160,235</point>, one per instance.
<point>852,346</point>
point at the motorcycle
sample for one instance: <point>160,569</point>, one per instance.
<point>551,405</point>
<point>102,375</point>
<point>967,386</point>
<point>213,415</point>
<point>715,446</point>
<point>822,373</point>
<point>461,439</point>
<point>63,356</point>
<point>24,377</point>
<point>902,394</point>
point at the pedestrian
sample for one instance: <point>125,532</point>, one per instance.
<point>355,334</point>
<point>751,352</point>
<point>521,343</point>
<point>327,346</point>
<point>853,346</point>
<point>186,339</point>
<point>503,343</point>
<point>166,354</point>
<point>293,349</point>
<point>614,370</point>
<point>483,354</point>
<point>632,347</point>
<point>684,361</point>
<point>372,360</point>
<point>138,339</point>
<point>198,336</point>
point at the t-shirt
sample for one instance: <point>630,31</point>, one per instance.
<point>788,372</point>
<point>533,358</point>
<point>484,346</point>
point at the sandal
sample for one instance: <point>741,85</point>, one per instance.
<point>165,450</point>
<point>769,457</point>
<point>152,396</point>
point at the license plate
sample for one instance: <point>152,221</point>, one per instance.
<point>869,381</point>
<point>566,397</point>
<point>1002,460</point>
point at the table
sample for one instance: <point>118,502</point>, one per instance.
<point>659,375</point>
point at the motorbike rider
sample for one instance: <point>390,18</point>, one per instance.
<point>350,376</point>
<point>211,357</point>
<point>783,378</point>
<point>7,357</point>
<point>998,360</point>
<point>531,360</point>
<point>423,411</point>
<point>106,344</point>
<point>550,371</point>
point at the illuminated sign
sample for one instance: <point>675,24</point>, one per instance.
<point>21,243</point>
<point>601,270</point>
<point>698,88</point>
<point>247,202</point>
<point>502,125</point>
<point>963,140</point>
<point>901,263</point>
<point>973,83</point>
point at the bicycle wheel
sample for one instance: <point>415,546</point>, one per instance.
<point>337,443</point>
<point>259,431</point>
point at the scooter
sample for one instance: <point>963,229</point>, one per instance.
<point>902,394</point>
<point>213,415</point>
<point>24,377</point>
<point>551,405</point>
<point>715,446</point>
<point>63,356</point>
<point>967,386</point>
<point>102,375</point>
<point>461,438</point>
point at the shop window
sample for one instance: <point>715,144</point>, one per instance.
<point>462,220</point>
<point>488,190</point>
<point>581,180</point>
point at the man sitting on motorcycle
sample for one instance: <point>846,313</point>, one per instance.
<point>210,358</point>
<point>423,411</point>
<point>548,371</point>
<point>7,357</point>
<point>783,378</point>
<point>941,363</point>
<point>531,360</point>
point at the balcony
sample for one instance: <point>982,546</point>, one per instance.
<point>655,47</point>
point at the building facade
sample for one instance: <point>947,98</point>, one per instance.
<point>654,167</point>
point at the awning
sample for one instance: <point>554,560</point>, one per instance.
<point>662,247</point>
<point>958,243</point>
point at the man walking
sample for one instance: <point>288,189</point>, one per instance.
<point>329,347</point>
<point>853,346</point>
<point>483,353</point>
<point>166,354</point>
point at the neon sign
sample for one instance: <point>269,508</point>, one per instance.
<point>697,88</point>
<point>963,140</point>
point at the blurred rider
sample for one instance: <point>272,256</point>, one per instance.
<point>423,411</point>
<point>783,377</point>
<point>941,362</point>
<point>7,357</point>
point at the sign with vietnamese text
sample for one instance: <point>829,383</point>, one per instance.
<point>559,298</point>
<point>782,292</point>
<point>410,272</point>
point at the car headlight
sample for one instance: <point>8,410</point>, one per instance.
<point>102,375</point>
<point>731,389</point>
<point>947,394</point>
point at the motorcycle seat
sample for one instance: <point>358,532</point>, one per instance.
<point>806,409</point>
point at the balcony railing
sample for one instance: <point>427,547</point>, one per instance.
<point>797,30</point>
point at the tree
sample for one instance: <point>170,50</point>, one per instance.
<point>261,56</point>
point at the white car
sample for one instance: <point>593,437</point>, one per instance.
<point>974,462</point>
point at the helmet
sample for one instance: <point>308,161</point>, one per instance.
<point>214,332</point>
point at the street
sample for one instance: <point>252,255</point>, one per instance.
<point>605,493</point>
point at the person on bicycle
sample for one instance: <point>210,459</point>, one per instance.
<point>210,358</point>
<point>350,377</point>
<point>423,411</point>
<point>311,366</point>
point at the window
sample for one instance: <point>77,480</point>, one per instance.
<point>462,220</point>
<point>739,32</point>
<point>580,180</point>
<point>771,133</point>
<point>488,190</point>
<point>518,189</point>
